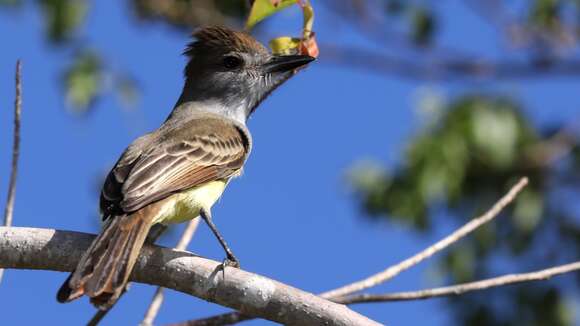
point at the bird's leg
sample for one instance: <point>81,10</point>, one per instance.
<point>156,231</point>
<point>230,260</point>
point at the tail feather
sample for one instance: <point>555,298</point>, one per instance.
<point>104,269</point>
<point>130,254</point>
<point>72,287</point>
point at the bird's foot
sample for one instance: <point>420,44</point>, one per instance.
<point>231,262</point>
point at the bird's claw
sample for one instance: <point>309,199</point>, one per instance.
<point>230,262</point>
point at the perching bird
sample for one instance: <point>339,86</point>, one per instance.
<point>178,171</point>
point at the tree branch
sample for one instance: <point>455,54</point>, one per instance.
<point>9,210</point>
<point>457,69</point>
<point>376,279</point>
<point>462,288</point>
<point>466,229</point>
<point>29,248</point>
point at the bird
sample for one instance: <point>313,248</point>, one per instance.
<point>178,171</point>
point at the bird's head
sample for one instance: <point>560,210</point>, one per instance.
<point>234,69</point>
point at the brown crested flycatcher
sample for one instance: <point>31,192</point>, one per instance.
<point>178,171</point>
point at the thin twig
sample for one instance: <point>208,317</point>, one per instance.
<point>157,300</point>
<point>154,234</point>
<point>462,288</point>
<point>376,279</point>
<point>9,210</point>
<point>466,229</point>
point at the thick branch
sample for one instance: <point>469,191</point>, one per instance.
<point>9,210</point>
<point>463,288</point>
<point>28,248</point>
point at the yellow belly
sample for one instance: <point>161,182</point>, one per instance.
<point>186,205</point>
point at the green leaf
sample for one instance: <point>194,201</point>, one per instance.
<point>63,17</point>
<point>285,45</point>
<point>496,133</point>
<point>528,211</point>
<point>83,81</point>
<point>366,176</point>
<point>264,8</point>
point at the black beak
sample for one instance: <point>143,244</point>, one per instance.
<point>284,63</point>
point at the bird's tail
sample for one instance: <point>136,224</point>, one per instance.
<point>104,268</point>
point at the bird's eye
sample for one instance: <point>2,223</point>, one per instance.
<point>232,62</point>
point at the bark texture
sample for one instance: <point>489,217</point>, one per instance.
<point>46,249</point>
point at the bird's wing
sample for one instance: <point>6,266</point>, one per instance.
<point>194,153</point>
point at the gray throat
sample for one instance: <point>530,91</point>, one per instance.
<point>183,110</point>
<point>196,98</point>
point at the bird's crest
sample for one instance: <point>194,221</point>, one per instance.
<point>217,38</point>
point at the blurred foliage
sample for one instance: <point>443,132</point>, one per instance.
<point>473,148</point>
<point>87,75</point>
<point>188,14</point>
<point>63,18</point>
<point>83,80</point>
<point>544,13</point>
<point>458,166</point>
<point>86,79</point>
<point>453,159</point>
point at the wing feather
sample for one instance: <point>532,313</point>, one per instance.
<point>180,158</point>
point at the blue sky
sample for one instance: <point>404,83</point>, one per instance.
<point>288,218</point>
